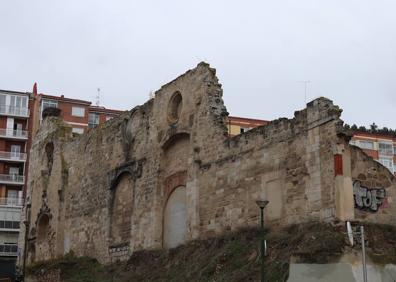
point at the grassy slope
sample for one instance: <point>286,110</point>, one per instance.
<point>232,257</point>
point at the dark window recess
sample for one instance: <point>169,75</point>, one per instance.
<point>9,224</point>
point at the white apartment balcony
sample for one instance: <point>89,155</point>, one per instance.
<point>11,202</point>
<point>386,153</point>
<point>7,110</point>
<point>12,156</point>
<point>14,134</point>
<point>12,179</point>
<point>8,250</point>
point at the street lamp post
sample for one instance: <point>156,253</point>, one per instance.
<point>262,204</point>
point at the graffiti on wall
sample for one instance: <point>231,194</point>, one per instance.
<point>367,198</point>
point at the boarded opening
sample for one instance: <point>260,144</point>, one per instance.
<point>175,218</point>
<point>42,228</point>
<point>121,210</point>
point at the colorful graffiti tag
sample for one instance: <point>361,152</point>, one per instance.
<point>368,198</point>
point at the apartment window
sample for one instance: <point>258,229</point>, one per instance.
<point>387,162</point>
<point>3,100</point>
<point>93,120</point>
<point>78,112</point>
<point>47,104</point>
<point>8,248</point>
<point>385,148</point>
<point>78,130</point>
<point>9,224</point>
<point>14,104</point>
<point>394,150</point>
<point>15,151</point>
<point>12,194</point>
<point>18,102</point>
<point>14,171</point>
<point>369,145</point>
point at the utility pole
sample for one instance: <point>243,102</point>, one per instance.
<point>351,233</point>
<point>305,89</point>
<point>262,204</point>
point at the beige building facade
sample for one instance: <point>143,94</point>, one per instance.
<point>168,172</point>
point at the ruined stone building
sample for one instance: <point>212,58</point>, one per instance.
<point>168,172</point>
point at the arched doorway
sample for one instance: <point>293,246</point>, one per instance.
<point>42,228</point>
<point>121,210</point>
<point>175,218</point>
<point>44,249</point>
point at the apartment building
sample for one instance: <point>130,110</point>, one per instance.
<point>20,118</point>
<point>98,115</point>
<point>380,147</point>
<point>238,125</point>
<point>79,114</point>
<point>15,137</point>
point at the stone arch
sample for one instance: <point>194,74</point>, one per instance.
<point>174,139</point>
<point>174,161</point>
<point>175,218</point>
<point>43,228</point>
<point>175,153</point>
<point>121,208</point>
<point>175,106</point>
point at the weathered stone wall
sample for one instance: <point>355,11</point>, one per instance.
<point>166,172</point>
<point>374,189</point>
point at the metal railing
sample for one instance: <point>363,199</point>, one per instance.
<point>13,133</point>
<point>386,152</point>
<point>10,250</point>
<point>12,202</point>
<point>14,111</point>
<point>12,178</point>
<point>13,156</point>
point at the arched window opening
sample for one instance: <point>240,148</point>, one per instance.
<point>49,151</point>
<point>43,228</point>
<point>175,107</point>
<point>121,210</point>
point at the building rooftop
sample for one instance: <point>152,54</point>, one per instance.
<point>98,109</point>
<point>64,99</point>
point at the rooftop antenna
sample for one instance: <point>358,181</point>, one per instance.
<point>305,89</point>
<point>98,98</point>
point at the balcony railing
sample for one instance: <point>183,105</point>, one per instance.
<point>12,156</point>
<point>12,179</point>
<point>10,250</point>
<point>11,133</point>
<point>14,111</point>
<point>386,152</point>
<point>11,202</point>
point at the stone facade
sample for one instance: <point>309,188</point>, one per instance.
<point>167,172</point>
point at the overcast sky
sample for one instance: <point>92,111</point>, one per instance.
<point>261,50</point>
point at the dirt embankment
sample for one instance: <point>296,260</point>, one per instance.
<point>232,257</point>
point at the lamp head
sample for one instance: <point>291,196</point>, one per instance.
<point>262,203</point>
